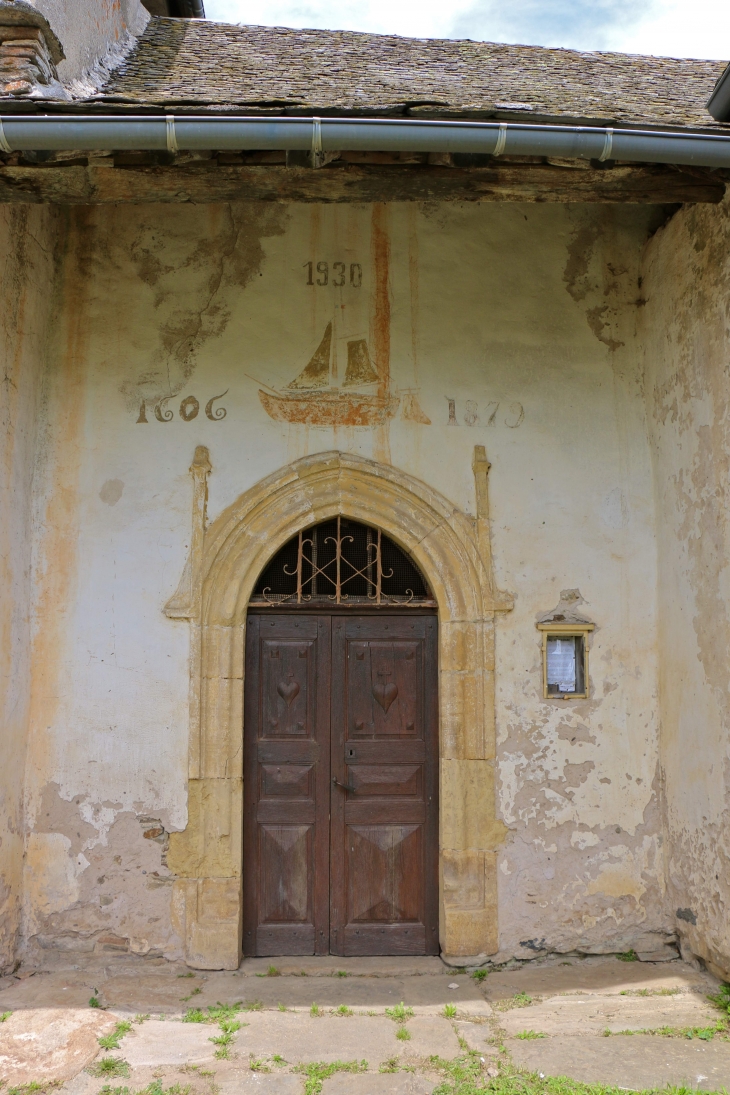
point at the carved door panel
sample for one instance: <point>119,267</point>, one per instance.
<point>384,814</point>
<point>286,785</point>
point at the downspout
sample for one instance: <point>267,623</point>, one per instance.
<point>317,136</point>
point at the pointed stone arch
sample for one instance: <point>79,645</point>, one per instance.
<point>452,550</point>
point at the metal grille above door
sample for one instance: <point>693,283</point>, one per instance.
<point>341,562</point>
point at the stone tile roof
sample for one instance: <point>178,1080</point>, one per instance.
<point>218,66</point>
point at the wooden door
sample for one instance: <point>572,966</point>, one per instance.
<point>340,785</point>
<point>286,785</point>
<point>384,817</point>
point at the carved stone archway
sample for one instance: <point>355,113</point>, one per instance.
<point>453,552</point>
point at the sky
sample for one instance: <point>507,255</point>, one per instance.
<point>675,28</point>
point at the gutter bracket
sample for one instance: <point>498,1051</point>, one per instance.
<point>170,132</point>
<point>317,153</point>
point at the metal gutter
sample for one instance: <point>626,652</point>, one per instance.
<point>317,136</point>
<point>719,102</point>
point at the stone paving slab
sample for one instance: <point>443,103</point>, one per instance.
<point>156,1042</point>
<point>601,975</point>
<point>426,995</point>
<point>594,1014</point>
<point>151,991</point>
<point>49,1044</point>
<point>258,1083</point>
<point>300,1038</point>
<point>430,1036</point>
<point>67,990</point>
<point>642,1061</point>
<point>476,1036</point>
<point>394,1083</point>
<point>166,991</point>
<point>329,964</point>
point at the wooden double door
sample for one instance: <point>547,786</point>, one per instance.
<point>341,784</point>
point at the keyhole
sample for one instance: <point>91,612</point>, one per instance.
<point>351,752</point>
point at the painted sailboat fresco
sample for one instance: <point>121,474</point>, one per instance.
<point>313,398</point>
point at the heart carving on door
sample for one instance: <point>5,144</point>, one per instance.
<point>385,694</point>
<point>288,690</point>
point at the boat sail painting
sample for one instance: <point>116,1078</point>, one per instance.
<point>314,398</point>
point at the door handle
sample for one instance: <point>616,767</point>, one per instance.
<point>343,786</point>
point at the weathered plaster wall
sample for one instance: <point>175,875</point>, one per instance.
<point>27,240</point>
<point>686,330</point>
<point>506,326</point>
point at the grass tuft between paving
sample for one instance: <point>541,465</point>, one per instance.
<point>318,1071</point>
<point>467,1076</point>
<point>35,1087</point>
<point>111,1041</point>
<point>155,1088</point>
<point>109,1066</point>
<point>399,1013</point>
<point>225,1016</point>
<point>705,1034</point>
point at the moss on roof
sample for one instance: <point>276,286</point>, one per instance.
<point>218,66</point>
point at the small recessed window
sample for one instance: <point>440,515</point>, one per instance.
<point>565,662</point>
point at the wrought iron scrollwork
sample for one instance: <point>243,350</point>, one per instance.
<point>333,579</point>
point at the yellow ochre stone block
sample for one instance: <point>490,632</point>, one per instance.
<point>210,846</point>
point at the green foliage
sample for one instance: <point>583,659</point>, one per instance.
<point>340,973</point>
<point>188,974</point>
<point>521,1000</point>
<point>705,1034</point>
<point>32,1087</point>
<point>317,1072</point>
<point>109,1066</point>
<point>281,1007</point>
<point>721,999</point>
<point>194,1015</point>
<point>628,956</point>
<point>111,1041</point>
<point>403,1034</point>
<point>278,1059</point>
<point>5,1015</point>
<point>224,1015</point>
<point>218,1013</point>
<point>391,1065</point>
<point>94,1002</point>
<point>399,1013</point>
<point>315,1011</point>
<point>528,1035</point>
<point>480,975</point>
<point>155,1088</point>
<point>258,1066</point>
<point>449,1011</point>
<point>343,1010</point>
<point>649,992</point>
<point>466,1076</point>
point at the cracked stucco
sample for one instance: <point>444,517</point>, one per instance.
<point>686,331</point>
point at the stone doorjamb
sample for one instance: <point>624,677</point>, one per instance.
<point>453,551</point>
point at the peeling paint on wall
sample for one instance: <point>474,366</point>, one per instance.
<point>488,314</point>
<point>685,330</point>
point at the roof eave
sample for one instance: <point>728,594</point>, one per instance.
<point>719,102</point>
